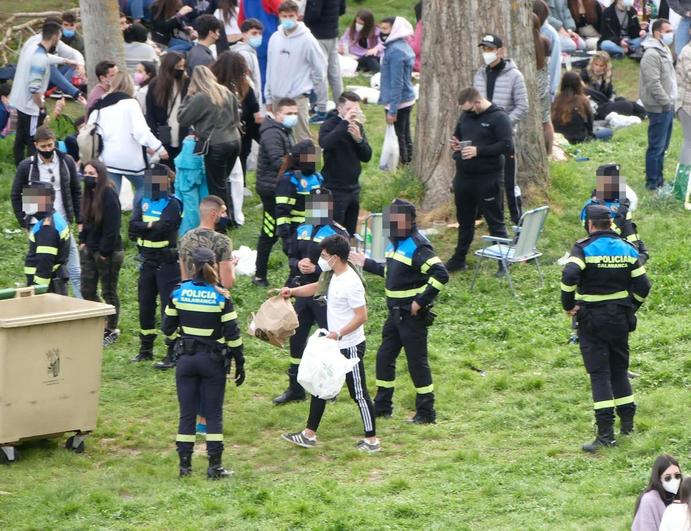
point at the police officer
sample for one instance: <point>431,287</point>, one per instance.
<point>603,284</point>
<point>200,313</point>
<point>414,275</point>
<point>49,239</point>
<point>298,178</point>
<point>154,226</point>
<point>610,191</point>
<point>303,258</point>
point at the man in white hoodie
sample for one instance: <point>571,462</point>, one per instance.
<point>296,65</point>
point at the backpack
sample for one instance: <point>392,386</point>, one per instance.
<point>90,141</point>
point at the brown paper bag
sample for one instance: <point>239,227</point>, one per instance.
<point>275,321</point>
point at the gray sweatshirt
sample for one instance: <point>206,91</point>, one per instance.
<point>658,83</point>
<point>296,64</point>
<point>250,56</point>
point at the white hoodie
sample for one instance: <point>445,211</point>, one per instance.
<point>296,64</point>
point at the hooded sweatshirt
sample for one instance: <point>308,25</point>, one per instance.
<point>397,68</point>
<point>274,144</point>
<point>296,64</point>
<point>250,56</point>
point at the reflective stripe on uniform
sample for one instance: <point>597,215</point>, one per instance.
<point>282,221</point>
<point>229,317</point>
<point>633,238</point>
<point>386,383</point>
<point>29,270</point>
<point>567,288</point>
<point>638,297</point>
<point>575,260</point>
<point>297,218</point>
<point>41,281</point>
<point>150,332</point>
<point>638,272</point>
<point>171,311</point>
<point>281,200</point>
<point>429,263</point>
<point>424,390</point>
<point>623,400</point>
<point>65,233</point>
<point>204,332</point>
<point>45,249</point>
<point>404,293</point>
<point>435,283</point>
<point>606,297</point>
<point>185,438</point>
<point>234,342</point>
<point>150,219</point>
<point>214,437</point>
<point>204,308</point>
<point>295,361</point>
<point>152,245</point>
<point>603,404</point>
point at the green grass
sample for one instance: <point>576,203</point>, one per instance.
<point>504,454</point>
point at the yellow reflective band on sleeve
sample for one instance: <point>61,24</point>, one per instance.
<point>386,383</point>
<point>64,234</point>
<point>435,283</point>
<point>567,288</point>
<point>603,404</point>
<point>41,281</point>
<point>623,400</point>
<point>282,200</point>
<point>295,361</point>
<point>429,263</point>
<point>405,293</point>
<point>202,308</point>
<point>229,317</point>
<point>56,267</point>
<point>31,237</point>
<point>203,332</point>
<point>628,215</point>
<point>606,297</point>
<point>45,249</point>
<point>185,438</point>
<point>401,258</point>
<point>297,218</point>
<point>282,221</point>
<point>151,332</point>
<point>152,245</point>
<point>173,336</point>
<point>633,238</point>
<point>149,219</point>
<point>29,270</point>
<point>234,342</point>
<point>214,437</point>
<point>268,230</point>
<point>638,272</point>
<point>424,390</point>
<point>638,297</point>
<point>575,260</point>
<point>171,311</point>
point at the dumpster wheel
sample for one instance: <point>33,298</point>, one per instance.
<point>8,455</point>
<point>76,443</point>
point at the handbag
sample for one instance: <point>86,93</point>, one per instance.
<point>90,140</point>
<point>201,147</point>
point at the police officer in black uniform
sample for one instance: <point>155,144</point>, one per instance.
<point>603,284</point>
<point>154,226</point>
<point>200,313</point>
<point>303,258</point>
<point>414,275</point>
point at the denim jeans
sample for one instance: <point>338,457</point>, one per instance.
<point>74,269</point>
<point>179,45</point>
<point>136,180</point>
<point>681,36</point>
<point>139,9</point>
<point>613,48</point>
<point>659,134</point>
<point>61,78</point>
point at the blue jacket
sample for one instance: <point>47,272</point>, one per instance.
<point>396,75</point>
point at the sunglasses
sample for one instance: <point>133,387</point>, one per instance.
<point>52,175</point>
<point>669,477</point>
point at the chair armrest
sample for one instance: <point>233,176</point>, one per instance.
<point>497,239</point>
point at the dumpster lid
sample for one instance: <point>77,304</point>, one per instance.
<point>49,308</point>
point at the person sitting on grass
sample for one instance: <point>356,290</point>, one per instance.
<point>361,40</point>
<point>662,490</point>
<point>346,314</point>
<point>677,516</point>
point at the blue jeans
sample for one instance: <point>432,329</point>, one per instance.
<point>139,9</point>
<point>74,269</point>
<point>659,135</point>
<point>681,36</point>
<point>136,180</point>
<point>60,77</point>
<point>179,45</point>
<point>613,48</point>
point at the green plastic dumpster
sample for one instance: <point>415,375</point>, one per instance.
<point>50,368</point>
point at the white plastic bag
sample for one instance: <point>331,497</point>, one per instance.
<point>126,195</point>
<point>323,368</point>
<point>375,81</point>
<point>367,94</point>
<point>237,191</point>
<point>389,151</point>
<point>246,260</point>
<point>348,65</point>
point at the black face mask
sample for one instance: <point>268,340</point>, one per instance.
<point>384,36</point>
<point>308,168</point>
<point>90,182</point>
<point>177,74</point>
<point>46,154</point>
<point>222,224</point>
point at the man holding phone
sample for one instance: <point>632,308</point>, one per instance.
<point>482,139</point>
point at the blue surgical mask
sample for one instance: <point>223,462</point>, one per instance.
<point>628,3</point>
<point>68,33</point>
<point>290,121</point>
<point>288,23</point>
<point>255,42</point>
<point>667,38</point>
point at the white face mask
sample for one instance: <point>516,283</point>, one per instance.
<point>358,27</point>
<point>671,486</point>
<point>323,264</point>
<point>667,38</point>
<point>489,57</point>
<point>628,3</point>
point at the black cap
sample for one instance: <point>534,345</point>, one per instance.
<point>158,169</point>
<point>610,169</point>
<point>303,147</point>
<point>203,255</point>
<point>598,213</point>
<point>491,40</point>
<point>403,206</point>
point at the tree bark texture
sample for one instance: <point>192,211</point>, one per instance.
<point>450,58</point>
<point>102,36</point>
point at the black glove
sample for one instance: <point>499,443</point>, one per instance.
<point>236,354</point>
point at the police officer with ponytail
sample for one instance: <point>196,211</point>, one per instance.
<point>154,226</point>
<point>201,315</point>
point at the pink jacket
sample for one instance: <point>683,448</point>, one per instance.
<point>416,44</point>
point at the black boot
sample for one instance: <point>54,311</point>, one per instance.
<point>146,349</point>
<point>295,392</point>
<point>383,406</point>
<point>168,362</point>
<point>626,414</point>
<point>604,418</point>
<point>185,465</point>
<point>216,470</point>
<point>424,409</point>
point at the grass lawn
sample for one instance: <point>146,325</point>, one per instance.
<point>505,453</point>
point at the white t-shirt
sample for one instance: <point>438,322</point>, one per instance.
<point>50,173</point>
<point>676,518</point>
<point>345,293</point>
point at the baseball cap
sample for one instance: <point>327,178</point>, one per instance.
<point>491,40</point>
<point>598,213</point>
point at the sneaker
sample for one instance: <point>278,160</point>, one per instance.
<point>455,265</point>
<point>110,336</point>
<point>419,419</point>
<point>260,282</point>
<point>368,447</point>
<point>165,364</point>
<point>300,439</point>
<point>146,355</point>
<point>318,118</point>
<point>201,428</point>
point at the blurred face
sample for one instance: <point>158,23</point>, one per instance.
<point>35,201</point>
<point>610,188</point>
<point>308,162</point>
<point>599,67</point>
<point>318,210</point>
<point>397,223</point>
<point>156,186</point>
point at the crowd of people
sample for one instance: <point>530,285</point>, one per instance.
<point>182,138</point>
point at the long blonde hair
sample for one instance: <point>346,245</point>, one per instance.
<point>603,57</point>
<point>122,82</point>
<point>203,81</point>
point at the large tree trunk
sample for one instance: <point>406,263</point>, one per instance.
<point>450,58</point>
<point>102,35</point>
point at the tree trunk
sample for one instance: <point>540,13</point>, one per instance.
<point>450,58</point>
<point>102,35</point>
